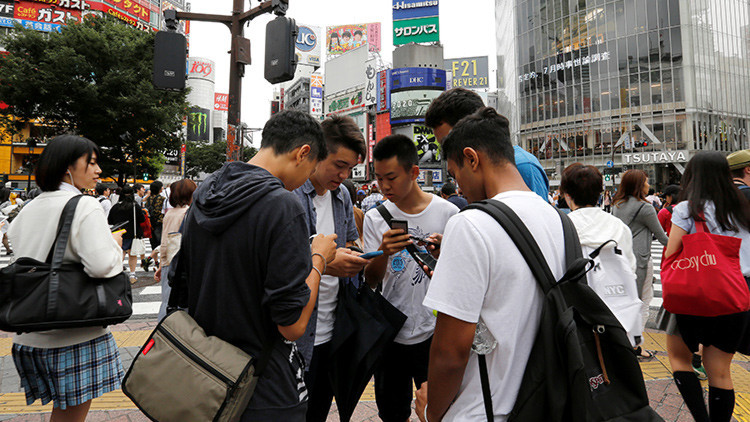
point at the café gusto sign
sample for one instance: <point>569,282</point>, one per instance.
<point>655,157</point>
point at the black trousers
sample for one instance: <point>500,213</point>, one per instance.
<point>155,236</point>
<point>402,368</point>
<point>317,381</point>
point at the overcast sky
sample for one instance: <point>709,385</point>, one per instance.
<point>467,28</point>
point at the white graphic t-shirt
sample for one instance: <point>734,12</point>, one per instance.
<point>405,283</point>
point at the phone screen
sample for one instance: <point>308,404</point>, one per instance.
<point>400,224</point>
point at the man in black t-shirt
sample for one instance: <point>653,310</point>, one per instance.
<point>739,164</point>
<point>253,274</point>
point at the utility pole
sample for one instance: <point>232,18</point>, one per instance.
<point>239,56</point>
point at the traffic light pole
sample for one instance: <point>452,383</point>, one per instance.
<point>239,57</point>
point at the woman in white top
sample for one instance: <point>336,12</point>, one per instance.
<point>708,190</point>
<point>69,367</point>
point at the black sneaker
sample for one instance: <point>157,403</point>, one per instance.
<point>145,263</point>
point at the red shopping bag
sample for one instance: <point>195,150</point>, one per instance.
<point>704,278</point>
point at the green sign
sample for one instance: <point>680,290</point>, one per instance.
<point>416,30</point>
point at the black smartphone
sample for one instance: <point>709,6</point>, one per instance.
<point>118,226</point>
<point>425,259</point>
<point>425,241</point>
<point>400,224</point>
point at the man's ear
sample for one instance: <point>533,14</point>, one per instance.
<point>414,172</point>
<point>747,171</point>
<point>302,153</point>
<point>471,158</point>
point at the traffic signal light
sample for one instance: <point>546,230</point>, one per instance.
<point>640,144</point>
<point>145,176</point>
<point>170,52</point>
<point>281,60</point>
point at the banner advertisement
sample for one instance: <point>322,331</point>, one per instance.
<point>384,90</point>
<point>469,72</point>
<point>345,103</point>
<point>221,102</point>
<point>371,95</point>
<point>359,172</point>
<point>199,123</point>
<point>172,156</point>
<point>43,13</point>
<point>104,8</point>
<point>340,39</point>
<point>382,125</point>
<point>307,45</point>
<point>411,9</point>
<point>133,8</point>
<point>183,159</point>
<point>427,145</point>
<point>316,95</point>
<point>437,175</point>
<point>421,30</point>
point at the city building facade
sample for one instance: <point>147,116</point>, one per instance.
<point>626,83</point>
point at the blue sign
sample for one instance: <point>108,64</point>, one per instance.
<point>306,39</point>
<point>384,90</point>
<point>610,164</point>
<point>316,92</point>
<point>417,77</point>
<point>37,26</point>
<point>410,9</point>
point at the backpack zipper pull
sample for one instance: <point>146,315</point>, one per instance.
<point>599,329</point>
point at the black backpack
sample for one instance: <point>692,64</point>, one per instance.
<point>582,366</point>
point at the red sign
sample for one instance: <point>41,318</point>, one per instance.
<point>221,102</point>
<point>130,20</point>
<point>40,12</point>
<point>66,4</point>
<point>133,8</point>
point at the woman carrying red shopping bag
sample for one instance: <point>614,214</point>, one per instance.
<point>705,283</point>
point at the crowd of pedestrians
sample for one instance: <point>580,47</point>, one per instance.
<point>269,249</point>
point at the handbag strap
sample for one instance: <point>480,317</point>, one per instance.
<point>486,393</point>
<point>700,224</point>
<point>636,214</point>
<point>57,251</point>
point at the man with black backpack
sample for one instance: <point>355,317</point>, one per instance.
<point>496,292</point>
<point>519,335</point>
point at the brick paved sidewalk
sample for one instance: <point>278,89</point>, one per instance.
<point>663,394</point>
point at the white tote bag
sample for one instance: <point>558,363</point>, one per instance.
<point>139,246</point>
<point>614,281</point>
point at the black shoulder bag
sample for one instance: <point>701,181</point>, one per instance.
<point>40,296</point>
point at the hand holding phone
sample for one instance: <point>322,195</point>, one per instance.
<point>397,238</point>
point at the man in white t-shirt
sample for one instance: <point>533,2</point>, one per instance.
<point>482,279</point>
<point>329,211</point>
<point>404,283</point>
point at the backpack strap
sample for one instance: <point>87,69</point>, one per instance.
<point>484,376</point>
<point>388,217</point>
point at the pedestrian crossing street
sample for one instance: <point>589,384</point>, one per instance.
<point>147,300</point>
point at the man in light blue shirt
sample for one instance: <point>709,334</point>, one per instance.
<point>457,103</point>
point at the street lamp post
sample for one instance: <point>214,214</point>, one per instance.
<point>239,56</point>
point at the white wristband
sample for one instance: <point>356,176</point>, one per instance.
<point>425,413</point>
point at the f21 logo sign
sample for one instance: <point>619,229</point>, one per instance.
<point>6,9</point>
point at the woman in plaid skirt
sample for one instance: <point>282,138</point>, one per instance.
<point>68,367</point>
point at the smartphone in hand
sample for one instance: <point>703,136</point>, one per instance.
<point>371,255</point>
<point>400,224</point>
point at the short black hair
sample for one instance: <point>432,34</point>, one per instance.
<point>4,194</point>
<point>137,187</point>
<point>583,183</point>
<point>343,131</point>
<point>100,188</point>
<point>358,32</point>
<point>288,130</point>
<point>651,191</point>
<point>399,146</point>
<point>347,34</point>
<point>484,131</point>
<point>155,187</point>
<point>448,189</point>
<point>738,173</point>
<point>59,154</point>
<point>673,191</point>
<point>126,195</point>
<point>452,106</point>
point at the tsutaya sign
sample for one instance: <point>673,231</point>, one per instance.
<point>655,157</point>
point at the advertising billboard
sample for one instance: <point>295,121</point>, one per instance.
<point>428,148</point>
<point>469,72</point>
<point>412,92</point>
<point>199,124</point>
<point>411,9</point>
<point>346,71</point>
<point>221,102</point>
<point>345,103</point>
<point>371,95</point>
<point>416,30</point>
<point>41,13</point>
<point>343,38</point>
<point>131,7</point>
<point>307,45</point>
<point>201,69</point>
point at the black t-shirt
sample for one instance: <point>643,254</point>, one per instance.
<point>248,255</point>
<point>745,189</point>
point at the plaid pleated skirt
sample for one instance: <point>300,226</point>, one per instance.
<point>69,376</point>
